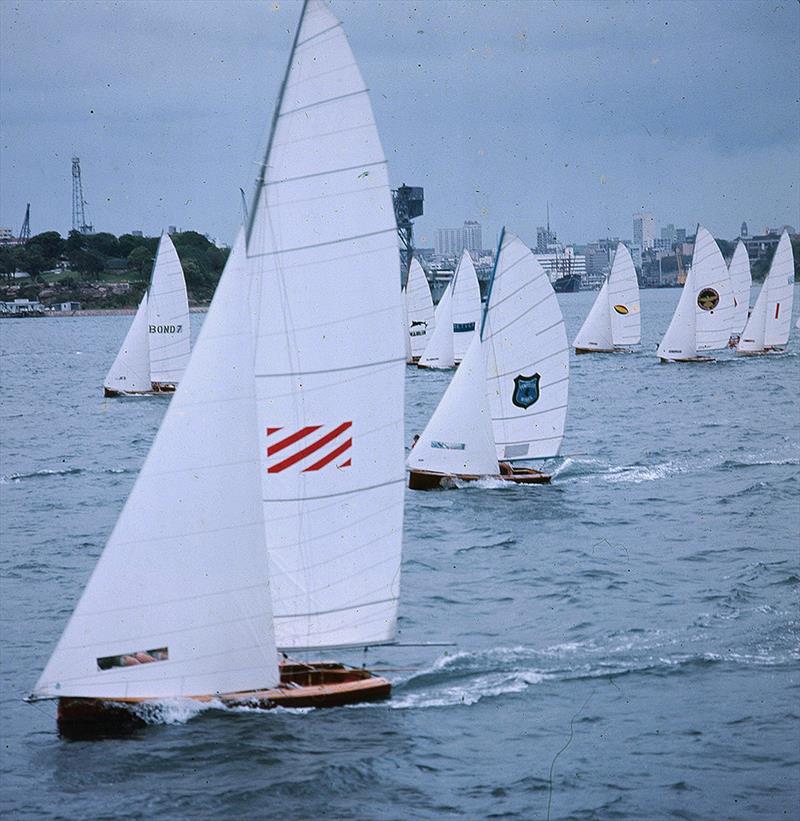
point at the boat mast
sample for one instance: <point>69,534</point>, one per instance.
<point>491,278</point>
<point>263,172</point>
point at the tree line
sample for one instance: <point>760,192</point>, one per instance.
<point>90,257</point>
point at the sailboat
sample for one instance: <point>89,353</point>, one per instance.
<point>268,514</point>
<point>466,312</point>
<point>439,353</point>
<point>507,402</point>
<point>155,351</point>
<point>419,310</point>
<point>741,282</point>
<point>614,323</point>
<point>704,317</point>
<point>768,327</point>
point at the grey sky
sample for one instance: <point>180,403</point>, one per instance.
<point>688,110</point>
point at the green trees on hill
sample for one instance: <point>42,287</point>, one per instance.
<point>94,256</point>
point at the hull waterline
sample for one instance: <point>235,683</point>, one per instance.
<point>320,685</point>
<point>429,480</point>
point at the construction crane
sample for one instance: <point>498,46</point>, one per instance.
<point>25,231</point>
<point>79,222</point>
<point>407,203</point>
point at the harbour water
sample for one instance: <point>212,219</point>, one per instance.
<point>627,639</point>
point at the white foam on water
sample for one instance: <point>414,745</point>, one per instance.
<point>174,710</point>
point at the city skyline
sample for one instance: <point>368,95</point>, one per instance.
<point>602,109</point>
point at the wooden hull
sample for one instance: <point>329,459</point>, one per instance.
<point>428,480</point>
<point>157,390</point>
<point>762,352</point>
<point>321,684</point>
<point>688,359</point>
<point>598,350</point>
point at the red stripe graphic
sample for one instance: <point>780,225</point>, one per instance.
<point>330,457</point>
<point>309,449</point>
<point>290,440</point>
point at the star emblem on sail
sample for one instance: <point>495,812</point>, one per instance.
<point>310,448</point>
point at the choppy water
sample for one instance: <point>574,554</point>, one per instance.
<point>627,638</point>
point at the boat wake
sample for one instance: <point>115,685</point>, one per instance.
<point>48,474</point>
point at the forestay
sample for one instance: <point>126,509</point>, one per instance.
<point>528,358</point>
<point>769,323</point>
<point>741,282</point>
<point>130,371</point>
<point>466,305</point>
<point>330,358</point>
<point>439,351</point>
<point>458,438</point>
<point>178,603</point>
<point>168,316</point>
<point>419,307</point>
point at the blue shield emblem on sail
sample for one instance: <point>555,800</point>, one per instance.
<point>526,390</point>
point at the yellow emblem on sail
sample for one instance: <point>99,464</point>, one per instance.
<point>621,309</point>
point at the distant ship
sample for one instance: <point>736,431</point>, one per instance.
<point>568,284</point>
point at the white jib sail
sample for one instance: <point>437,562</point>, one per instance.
<point>703,318</point>
<point>330,362</point>
<point>458,438</point>
<point>741,281</point>
<point>182,586</point>
<point>768,325</point>
<point>439,351</point>
<point>466,306</point>
<point>419,306</point>
<point>623,300</point>
<point>595,333</point>
<point>528,356</point>
<point>130,372</point>
<point>168,316</point>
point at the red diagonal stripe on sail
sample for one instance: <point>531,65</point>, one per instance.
<point>345,464</point>
<point>312,448</point>
<point>290,440</point>
<point>330,457</point>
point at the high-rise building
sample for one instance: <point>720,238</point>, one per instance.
<point>545,239</point>
<point>448,241</point>
<point>472,236</point>
<point>680,235</point>
<point>668,233</point>
<point>644,230</point>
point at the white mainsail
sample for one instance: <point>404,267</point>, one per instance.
<point>419,307</point>
<point>330,361</point>
<point>130,371</point>
<point>768,326</point>
<point>439,353</point>
<point>623,300</point>
<point>466,308</point>
<point>614,320</point>
<point>527,357</point>
<point>168,316</point>
<point>741,281</point>
<point>183,584</point>
<point>704,316</point>
<point>459,438</point>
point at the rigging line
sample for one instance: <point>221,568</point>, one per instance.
<point>530,365</point>
<point>275,115</point>
<point>550,327</point>
<point>551,295</point>
<point>491,279</point>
